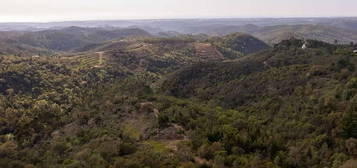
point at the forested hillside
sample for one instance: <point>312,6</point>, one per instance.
<point>185,101</point>
<point>303,101</point>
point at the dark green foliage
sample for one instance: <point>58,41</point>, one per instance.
<point>300,97</point>
<point>242,43</point>
<point>350,121</point>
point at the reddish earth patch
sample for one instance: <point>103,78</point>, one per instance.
<point>208,51</point>
<point>350,164</point>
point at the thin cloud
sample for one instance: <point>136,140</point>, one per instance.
<point>51,10</point>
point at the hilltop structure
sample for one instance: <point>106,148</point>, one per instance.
<point>304,46</point>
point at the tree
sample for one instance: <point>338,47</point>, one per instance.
<point>336,42</point>
<point>350,123</point>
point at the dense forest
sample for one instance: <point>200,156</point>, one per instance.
<point>187,101</point>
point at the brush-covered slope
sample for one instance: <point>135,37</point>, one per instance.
<point>239,42</point>
<point>10,47</point>
<point>159,54</point>
<point>162,55</point>
<point>153,57</point>
<point>320,60</point>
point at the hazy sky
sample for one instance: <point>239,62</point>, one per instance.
<point>59,10</point>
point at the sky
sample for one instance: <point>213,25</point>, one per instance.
<point>66,10</point>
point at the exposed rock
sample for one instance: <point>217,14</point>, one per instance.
<point>148,108</point>
<point>351,145</point>
<point>56,134</point>
<point>350,164</point>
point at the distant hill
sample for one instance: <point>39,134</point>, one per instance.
<point>270,30</point>
<point>275,34</point>
<point>75,37</point>
<point>9,47</point>
<point>185,25</point>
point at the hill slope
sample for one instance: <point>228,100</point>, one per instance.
<point>298,97</point>
<point>9,47</point>
<point>243,43</point>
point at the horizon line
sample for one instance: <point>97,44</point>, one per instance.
<point>179,18</point>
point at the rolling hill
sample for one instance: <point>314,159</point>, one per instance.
<point>329,34</point>
<point>71,38</point>
<point>9,47</point>
<point>162,55</point>
<point>275,34</point>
